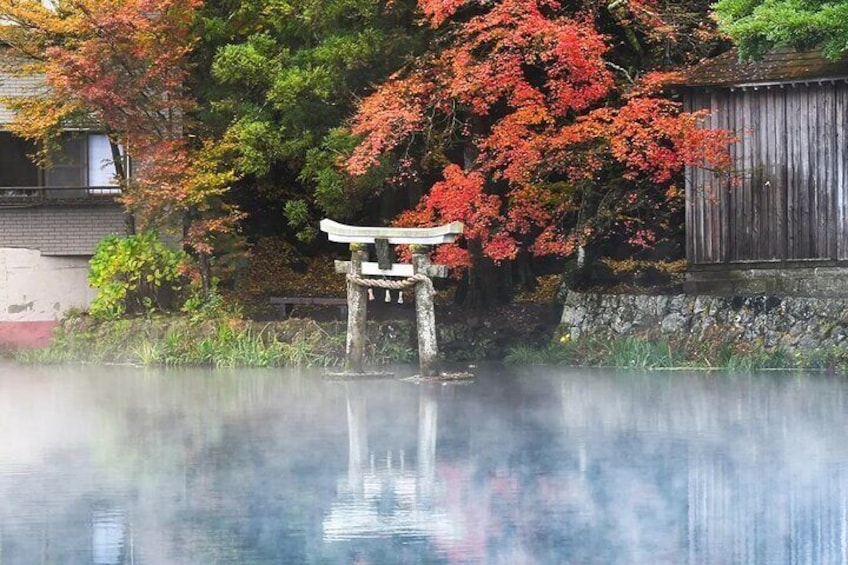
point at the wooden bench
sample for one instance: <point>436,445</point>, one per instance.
<point>283,302</point>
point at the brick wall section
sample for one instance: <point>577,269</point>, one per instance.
<point>11,85</point>
<point>60,230</point>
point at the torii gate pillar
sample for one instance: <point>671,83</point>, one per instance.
<point>425,315</point>
<point>357,311</point>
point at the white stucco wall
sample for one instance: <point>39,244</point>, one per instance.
<point>35,288</point>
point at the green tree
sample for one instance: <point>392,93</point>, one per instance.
<point>134,274</point>
<point>757,25</point>
<point>281,77</point>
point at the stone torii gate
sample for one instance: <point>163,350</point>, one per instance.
<point>418,274</point>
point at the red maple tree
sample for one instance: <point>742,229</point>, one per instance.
<point>518,106</point>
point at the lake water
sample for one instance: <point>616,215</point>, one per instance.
<point>116,465</point>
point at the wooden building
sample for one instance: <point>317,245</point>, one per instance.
<point>779,222</point>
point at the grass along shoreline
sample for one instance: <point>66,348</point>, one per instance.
<point>222,337</point>
<point>642,353</point>
<point>219,342</point>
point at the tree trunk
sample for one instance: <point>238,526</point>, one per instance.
<point>129,222</point>
<point>522,271</point>
<point>485,284</point>
<point>205,273</point>
<point>204,260</point>
<point>123,180</point>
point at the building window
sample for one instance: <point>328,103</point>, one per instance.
<point>68,166</point>
<point>16,167</point>
<point>82,162</point>
<point>101,165</point>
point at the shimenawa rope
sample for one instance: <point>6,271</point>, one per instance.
<point>408,282</point>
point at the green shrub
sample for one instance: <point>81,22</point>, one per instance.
<point>635,353</point>
<point>134,274</point>
<point>550,354</point>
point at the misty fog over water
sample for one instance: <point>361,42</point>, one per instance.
<point>106,465</point>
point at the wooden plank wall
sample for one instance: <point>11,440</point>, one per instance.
<point>787,198</point>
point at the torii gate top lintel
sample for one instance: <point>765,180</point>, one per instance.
<point>342,233</point>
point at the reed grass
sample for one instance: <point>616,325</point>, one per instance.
<point>221,342</point>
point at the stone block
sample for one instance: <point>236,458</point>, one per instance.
<point>674,322</point>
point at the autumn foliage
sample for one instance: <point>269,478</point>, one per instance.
<point>519,111</point>
<point>120,66</point>
<point>535,122</point>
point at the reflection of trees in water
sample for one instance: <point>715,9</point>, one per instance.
<point>721,470</point>
<point>163,461</point>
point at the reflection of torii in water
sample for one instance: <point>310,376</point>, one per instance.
<point>389,499</point>
<point>109,532</point>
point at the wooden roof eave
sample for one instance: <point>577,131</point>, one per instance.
<point>765,85</point>
<point>778,68</point>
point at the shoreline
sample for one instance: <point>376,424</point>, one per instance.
<point>181,341</point>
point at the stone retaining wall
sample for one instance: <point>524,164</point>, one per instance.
<point>791,323</point>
